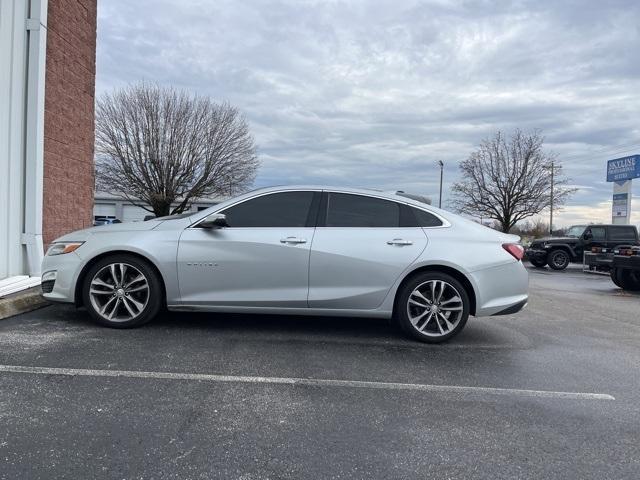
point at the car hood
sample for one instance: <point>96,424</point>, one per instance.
<point>82,235</point>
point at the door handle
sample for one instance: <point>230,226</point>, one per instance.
<point>399,241</point>
<point>293,240</point>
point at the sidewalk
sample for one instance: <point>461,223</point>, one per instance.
<point>21,302</point>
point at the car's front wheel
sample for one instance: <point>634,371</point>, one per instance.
<point>432,307</point>
<point>558,259</point>
<point>122,291</point>
<point>537,262</point>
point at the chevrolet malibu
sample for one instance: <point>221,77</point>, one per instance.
<point>295,250</point>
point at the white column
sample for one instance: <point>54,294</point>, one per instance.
<point>34,155</point>
<point>22,71</point>
<point>13,57</point>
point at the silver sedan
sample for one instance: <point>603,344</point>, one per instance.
<point>295,250</point>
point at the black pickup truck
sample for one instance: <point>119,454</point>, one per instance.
<point>558,252</point>
<point>625,268</point>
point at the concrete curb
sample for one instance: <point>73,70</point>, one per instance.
<point>21,302</point>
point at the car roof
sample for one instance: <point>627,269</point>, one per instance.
<point>356,190</point>
<point>443,214</point>
<point>607,225</point>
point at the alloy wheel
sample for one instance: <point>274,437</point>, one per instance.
<point>119,292</point>
<point>560,259</point>
<point>435,308</point>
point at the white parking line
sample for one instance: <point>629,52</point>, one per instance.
<point>304,381</point>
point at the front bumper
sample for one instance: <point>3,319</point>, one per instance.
<point>536,253</point>
<point>67,268</point>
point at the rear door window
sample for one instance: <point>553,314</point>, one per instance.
<point>347,210</point>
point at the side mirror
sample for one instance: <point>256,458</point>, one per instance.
<point>587,235</point>
<point>217,220</point>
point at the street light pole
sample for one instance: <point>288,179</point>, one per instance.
<point>441,163</point>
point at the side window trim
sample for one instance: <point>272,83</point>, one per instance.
<point>322,210</point>
<point>244,200</point>
<point>314,210</point>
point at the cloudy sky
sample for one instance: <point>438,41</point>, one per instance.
<point>373,93</point>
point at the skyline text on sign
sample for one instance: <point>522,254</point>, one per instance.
<point>624,168</point>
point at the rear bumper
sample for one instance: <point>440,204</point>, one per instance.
<point>515,308</point>
<point>601,260</point>
<point>501,290</point>
<point>630,262</point>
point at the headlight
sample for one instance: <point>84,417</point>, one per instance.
<point>63,247</point>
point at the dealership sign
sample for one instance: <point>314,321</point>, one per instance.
<point>625,168</point>
<point>620,205</point>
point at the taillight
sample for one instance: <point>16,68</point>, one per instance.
<point>514,249</point>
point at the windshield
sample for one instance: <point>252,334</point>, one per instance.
<point>576,230</point>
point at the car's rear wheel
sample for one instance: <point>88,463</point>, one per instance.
<point>537,262</point>
<point>558,259</point>
<point>122,291</point>
<point>432,307</point>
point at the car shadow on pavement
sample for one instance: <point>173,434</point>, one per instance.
<point>478,333</point>
<point>330,329</point>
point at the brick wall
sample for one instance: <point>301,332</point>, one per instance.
<point>69,117</point>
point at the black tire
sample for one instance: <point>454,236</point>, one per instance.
<point>614,277</point>
<point>152,302</point>
<point>536,262</point>
<point>629,279</point>
<point>558,259</point>
<point>402,308</point>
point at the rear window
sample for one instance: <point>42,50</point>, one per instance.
<point>426,219</point>
<point>622,234</point>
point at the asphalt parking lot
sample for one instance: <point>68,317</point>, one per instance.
<point>552,392</point>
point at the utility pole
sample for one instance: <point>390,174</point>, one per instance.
<point>441,163</point>
<point>551,167</point>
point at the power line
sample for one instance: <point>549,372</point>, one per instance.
<point>607,151</point>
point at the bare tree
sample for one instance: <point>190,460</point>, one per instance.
<point>156,146</point>
<point>510,179</point>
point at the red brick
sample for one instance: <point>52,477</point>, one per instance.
<point>69,122</point>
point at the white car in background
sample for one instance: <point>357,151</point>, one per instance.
<point>295,250</point>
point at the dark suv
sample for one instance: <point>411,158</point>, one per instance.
<point>558,252</point>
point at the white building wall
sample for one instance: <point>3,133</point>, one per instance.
<point>22,42</point>
<point>13,57</point>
